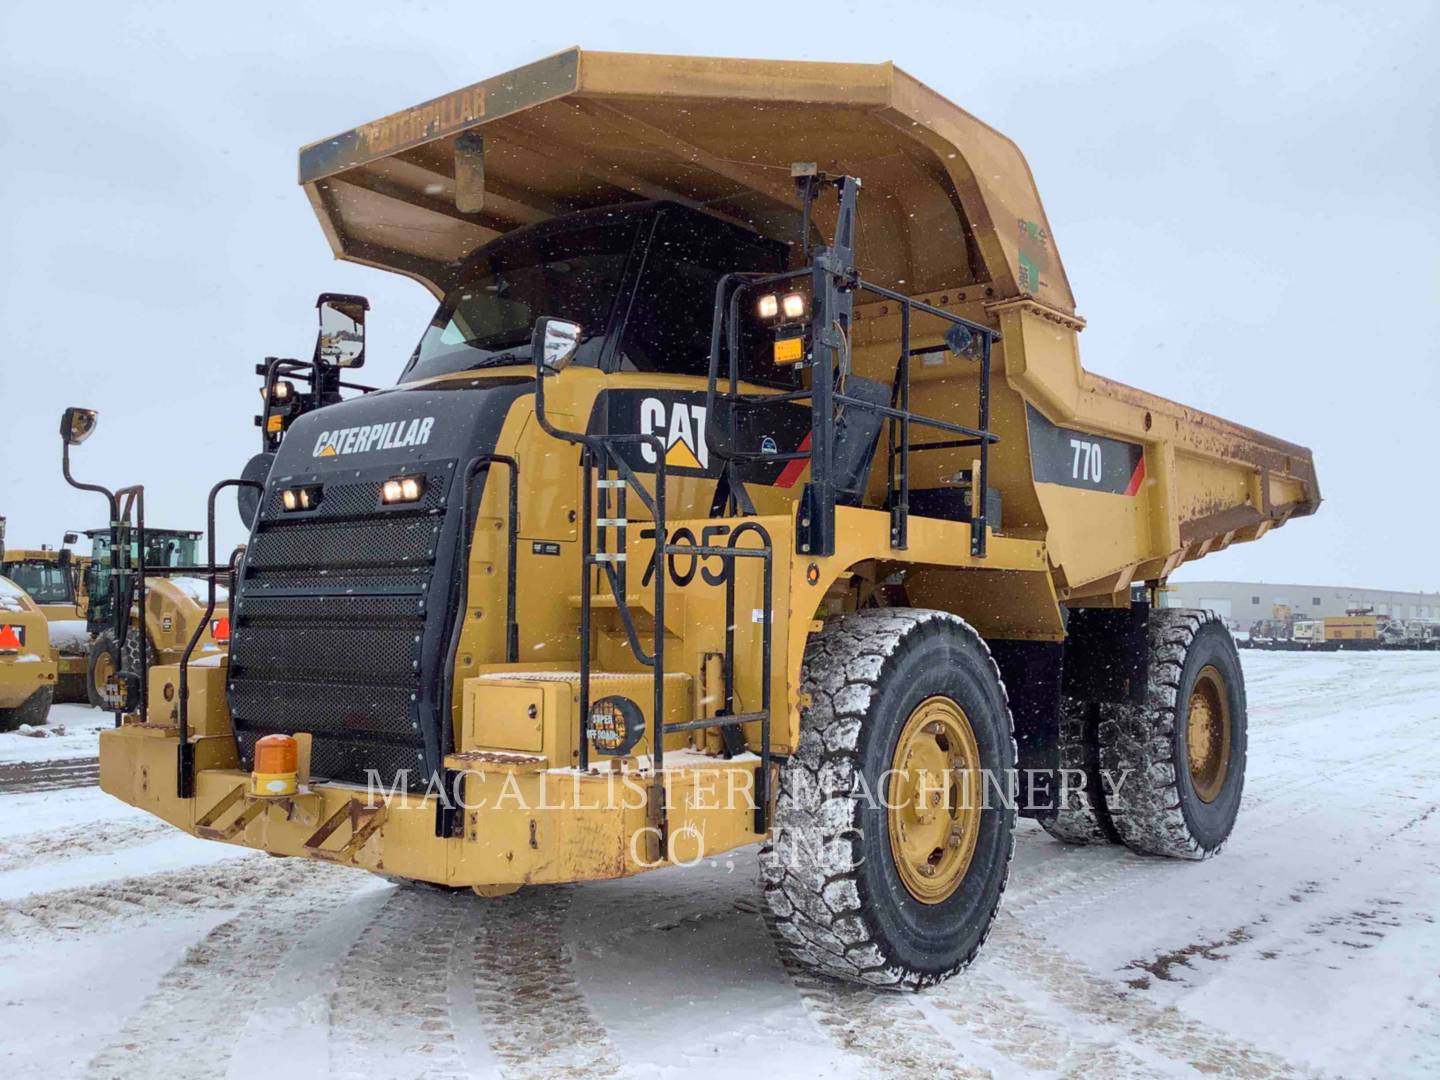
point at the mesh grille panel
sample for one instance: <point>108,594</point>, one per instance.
<point>297,651</point>
<point>344,545</point>
<point>367,578</point>
<point>340,654</point>
<point>328,709</point>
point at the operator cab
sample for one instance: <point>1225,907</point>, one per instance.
<point>163,547</point>
<point>639,279</point>
<point>47,581</point>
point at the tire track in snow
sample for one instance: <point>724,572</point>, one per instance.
<point>223,886</point>
<point>538,1021</point>
<point>288,1033</point>
<point>982,1010</point>
<point>1163,1030</point>
<point>390,1011</point>
<point>1017,947</point>
<point>58,774</point>
<point>189,1027</point>
<point>1276,927</point>
<point>885,1030</point>
<point>75,841</point>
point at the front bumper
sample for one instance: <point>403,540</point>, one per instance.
<point>520,827</point>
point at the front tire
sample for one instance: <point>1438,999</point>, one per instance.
<point>106,659</point>
<point>1177,761</point>
<point>886,863</point>
<point>34,710</point>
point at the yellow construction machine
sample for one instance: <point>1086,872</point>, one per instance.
<point>27,666</point>
<point>721,502</point>
<point>55,579</point>
<point>174,604</point>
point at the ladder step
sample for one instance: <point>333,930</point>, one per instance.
<point>608,556</point>
<point>609,483</point>
<point>611,523</point>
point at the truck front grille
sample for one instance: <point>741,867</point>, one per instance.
<point>335,615</point>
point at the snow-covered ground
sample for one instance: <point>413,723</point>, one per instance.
<point>1309,947</point>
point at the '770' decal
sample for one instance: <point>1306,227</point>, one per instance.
<point>1079,459</point>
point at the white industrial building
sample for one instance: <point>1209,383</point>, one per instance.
<point>1244,602</point>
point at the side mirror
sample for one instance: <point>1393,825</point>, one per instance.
<point>77,424</point>
<point>553,344</point>
<point>70,538</point>
<point>341,341</point>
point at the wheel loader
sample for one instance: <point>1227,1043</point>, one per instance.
<point>27,667</point>
<point>723,501</point>
<point>55,580</point>
<point>174,605</point>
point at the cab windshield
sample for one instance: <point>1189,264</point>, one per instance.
<point>572,274</point>
<point>46,582</point>
<point>162,548</point>
<point>640,282</point>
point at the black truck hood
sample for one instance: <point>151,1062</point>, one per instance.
<point>392,427</point>
<point>342,615</point>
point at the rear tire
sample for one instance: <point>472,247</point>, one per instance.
<point>1179,758</point>
<point>1082,817</point>
<point>34,710</point>
<point>862,885</point>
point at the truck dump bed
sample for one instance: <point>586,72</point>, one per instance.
<point>1122,485</point>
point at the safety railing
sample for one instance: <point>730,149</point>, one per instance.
<point>834,281</point>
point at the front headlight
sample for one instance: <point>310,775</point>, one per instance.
<point>402,489</point>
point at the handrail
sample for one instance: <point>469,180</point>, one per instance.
<point>447,822</point>
<point>185,760</point>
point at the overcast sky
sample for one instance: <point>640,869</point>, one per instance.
<point>1246,198</point>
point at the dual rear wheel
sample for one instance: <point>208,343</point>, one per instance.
<point>1163,777</point>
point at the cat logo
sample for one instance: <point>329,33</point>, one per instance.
<point>682,426</point>
<point>392,435</point>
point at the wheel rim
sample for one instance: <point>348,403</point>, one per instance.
<point>104,670</point>
<point>933,803</point>
<point>1207,734</point>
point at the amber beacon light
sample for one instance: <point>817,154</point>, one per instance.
<point>276,766</point>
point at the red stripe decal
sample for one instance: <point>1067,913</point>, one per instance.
<point>1137,477</point>
<point>794,468</point>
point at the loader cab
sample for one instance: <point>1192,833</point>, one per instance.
<point>639,280</point>
<point>163,547</point>
<point>43,576</point>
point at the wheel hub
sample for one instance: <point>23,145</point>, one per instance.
<point>933,800</point>
<point>1207,734</point>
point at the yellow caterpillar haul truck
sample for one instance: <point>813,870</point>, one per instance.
<point>721,502</point>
